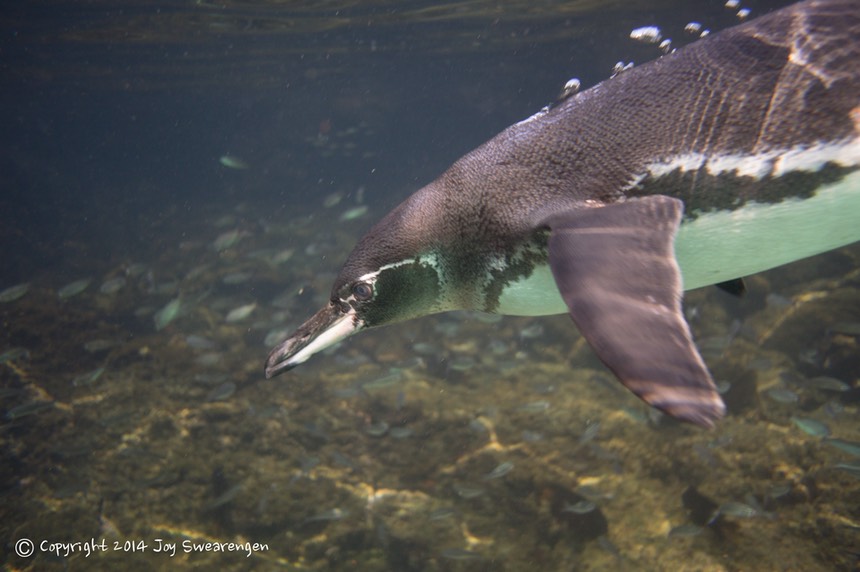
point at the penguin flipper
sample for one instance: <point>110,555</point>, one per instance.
<point>615,268</point>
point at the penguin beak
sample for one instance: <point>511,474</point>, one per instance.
<point>326,328</point>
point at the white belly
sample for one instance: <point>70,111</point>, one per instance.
<point>730,244</point>
<point>537,295</point>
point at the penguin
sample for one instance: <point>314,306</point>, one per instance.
<point>735,154</point>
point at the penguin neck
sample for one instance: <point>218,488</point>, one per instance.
<point>518,281</point>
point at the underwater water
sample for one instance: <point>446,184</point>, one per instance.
<point>180,185</point>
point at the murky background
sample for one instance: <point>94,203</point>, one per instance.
<point>180,184</point>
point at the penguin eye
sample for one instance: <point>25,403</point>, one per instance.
<point>362,291</point>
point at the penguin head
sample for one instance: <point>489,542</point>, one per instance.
<point>381,283</point>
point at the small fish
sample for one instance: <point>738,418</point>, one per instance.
<point>401,432</point>
<point>654,415</point>
<point>333,514</point>
<point>777,301</point>
<point>346,392</point>
<point>736,509</point>
<point>100,345</point>
<point>705,454</point>
<point>779,490</point>
<point>14,292</point>
<point>167,314</point>
<point>760,364</point>
<point>222,392</point>
<point>113,285</point>
<point>477,426</point>
<point>383,535</point>
<point>353,213</point>
<point>235,278</point>
<point>378,429</point>
<point>135,269</point>
<point>389,380</point>
<point>812,356</point>
<point>850,468</point>
<point>723,386</point>
<point>582,507</point>
<point>224,498</point>
<point>685,531</point>
<point>276,335</point>
<point>635,413</point>
<point>282,256</point>
<point>850,447</point>
<point>224,220</point>
<point>442,513</point>
<point>498,347</point>
<point>782,395</point>
<point>843,328</point>
<point>208,360</point>
<point>411,363</point>
<point>316,430</point>
<point>13,354</point>
<point>30,408</point>
<point>228,240</point>
<point>833,408</point>
<point>544,388</point>
<point>609,546</point>
<point>166,288</point>
<point>73,288</point>
<point>333,200</point>
<point>462,363</point>
<point>307,464</point>
<point>591,431</point>
<point>532,332</point>
<point>460,554</point>
<point>210,378</point>
<point>240,313</point>
<point>197,271</point>
<point>534,407</point>
<point>467,492</point>
<point>233,162</point>
<point>752,501</point>
<point>500,471</point>
<point>811,426</point>
<point>88,378</point>
<point>342,460</point>
<point>825,383</point>
<point>592,493</point>
<point>144,311</point>
<point>108,528</point>
<point>200,342</point>
<point>531,436</point>
<point>792,378</point>
<point>714,345</point>
<point>485,318</point>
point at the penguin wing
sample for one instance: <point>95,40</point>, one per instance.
<point>615,268</point>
